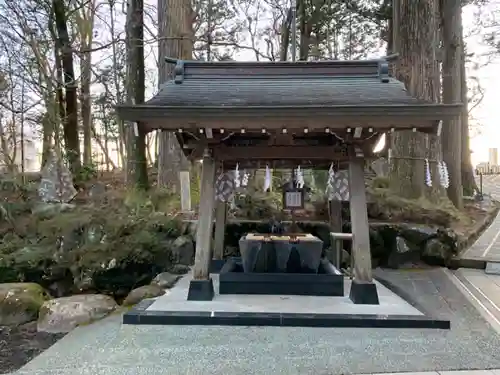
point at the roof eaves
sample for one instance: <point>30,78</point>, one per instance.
<point>145,112</point>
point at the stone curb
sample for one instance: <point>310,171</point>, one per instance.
<point>458,372</point>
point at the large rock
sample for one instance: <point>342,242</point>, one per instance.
<point>20,302</point>
<point>179,269</point>
<point>183,250</point>
<point>166,280</point>
<point>143,292</point>
<point>436,252</point>
<point>66,313</point>
<point>402,253</point>
<point>418,234</point>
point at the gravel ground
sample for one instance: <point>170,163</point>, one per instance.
<point>19,345</point>
<point>108,348</point>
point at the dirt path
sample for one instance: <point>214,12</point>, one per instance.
<point>18,345</point>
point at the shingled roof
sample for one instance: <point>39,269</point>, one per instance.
<point>331,87</point>
<point>291,91</point>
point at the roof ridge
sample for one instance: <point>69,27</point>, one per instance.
<point>194,69</point>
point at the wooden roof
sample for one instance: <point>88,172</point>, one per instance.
<point>255,95</point>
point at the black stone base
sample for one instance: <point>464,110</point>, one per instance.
<point>140,315</point>
<point>201,290</point>
<point>363,293</point>
<point>328,282</point>
<point>216,265</point>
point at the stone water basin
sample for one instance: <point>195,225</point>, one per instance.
<point>285,253</point>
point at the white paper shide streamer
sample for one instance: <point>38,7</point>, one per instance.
<point>444,177</point>
<point>244,180</point>
<point>237,181</point>
<point>267,179</point>
<point>299,177</point>
<point>331,179</point>
<point>428,177</point>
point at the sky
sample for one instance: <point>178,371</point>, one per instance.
<point>487,132</point>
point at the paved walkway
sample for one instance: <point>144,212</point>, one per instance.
<point>483,291</point>
<point>491,185</point>
<point>109,348</point>
<point>487,246</point>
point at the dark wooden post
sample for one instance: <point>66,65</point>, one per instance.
<point>201,287</point>
<point>335,220</point>
<point>220,229</point>
<point>363,290</point>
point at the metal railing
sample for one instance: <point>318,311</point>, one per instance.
<point>337,240</point>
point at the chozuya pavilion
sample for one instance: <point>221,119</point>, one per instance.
<point>284,114</point>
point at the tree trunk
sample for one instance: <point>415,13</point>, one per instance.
<point>104,146</point>
<point>116,81</point>
<point>85,27</point>
<point>47,132</point>
<point>451,19</point>
<point>70,123</point>
<point>415,38</point>
<point>305,31</point>
<point>86,107</point>
<point>60,100</point>
<point>468,180</point>
<point>285,35</point>
<point>136,143</point>
<point>175,20</point>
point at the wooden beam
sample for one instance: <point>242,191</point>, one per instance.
<point>205,222</point>
<point>312,123</point>
<point>225,153</point>
<point>220,229</point>
<point>359,222</point>
<point>279,164</point>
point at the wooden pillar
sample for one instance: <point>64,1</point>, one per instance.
<point>201,287</point>
<point>220,229</point>
<point>363,290</point>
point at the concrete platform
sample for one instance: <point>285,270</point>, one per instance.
<point>270,310</point>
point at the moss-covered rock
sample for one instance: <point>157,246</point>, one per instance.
<point>166,280</point>
<point>143,292</point>
<point>66,313</point>
<point>20,302</point>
